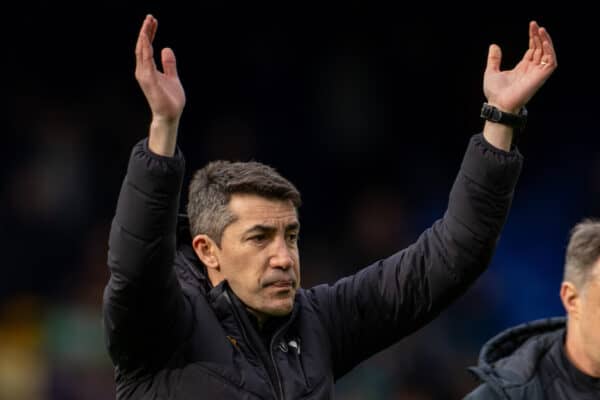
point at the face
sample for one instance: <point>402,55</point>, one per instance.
<point>259,254</point>
<point>589,318</point>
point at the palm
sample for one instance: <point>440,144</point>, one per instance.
<point>165,96</point>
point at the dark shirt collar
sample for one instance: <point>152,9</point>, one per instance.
<point>580,379</point>
<point>269,327</point>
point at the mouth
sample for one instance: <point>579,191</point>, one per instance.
<point>282,284</point>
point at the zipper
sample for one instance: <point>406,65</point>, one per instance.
<point>296,349</point>
<point>275,385</point>
<point>272,354</point>
<point>280,386</point>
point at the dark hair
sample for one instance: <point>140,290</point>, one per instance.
<point>211,188</point>
<point>583,251</point>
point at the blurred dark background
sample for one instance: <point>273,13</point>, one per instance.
<point>367,109</point>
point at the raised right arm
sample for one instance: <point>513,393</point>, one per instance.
<point>143,302</point>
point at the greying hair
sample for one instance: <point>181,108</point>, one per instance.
<point>583,252</point>
<point>211,188</point>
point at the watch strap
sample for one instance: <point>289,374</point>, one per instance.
<point>491,113</point>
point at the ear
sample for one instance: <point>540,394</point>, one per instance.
<point>570,297</point>
<point>206,250</point>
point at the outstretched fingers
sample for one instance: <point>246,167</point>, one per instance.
<point>152,28</point>
<point>548,58</point>
<point>534,32</point>
<point>143,48</point>
<point>541,50</point>
<point>534,44</point>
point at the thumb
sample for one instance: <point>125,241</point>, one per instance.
<point>168,62</point>
<point>494,58</point>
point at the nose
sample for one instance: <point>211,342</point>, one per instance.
<point>282,256</point>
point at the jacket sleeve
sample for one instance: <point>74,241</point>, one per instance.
<point>371,310</point>
<point>143,302</point>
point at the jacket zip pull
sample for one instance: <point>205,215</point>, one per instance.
<point>273,340</point>
<point>295,345</point>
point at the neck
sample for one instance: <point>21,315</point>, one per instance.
<point>261,318</point>
<point>577,355</point>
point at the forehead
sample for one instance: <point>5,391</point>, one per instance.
<point>251,208</point>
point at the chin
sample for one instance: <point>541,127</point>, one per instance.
<point>281,309</point>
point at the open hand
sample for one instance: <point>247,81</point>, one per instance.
<point>510,90</point>
<point>163,90</point>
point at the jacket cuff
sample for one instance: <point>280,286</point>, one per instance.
<point>491,167</point>
<point>144,162</point>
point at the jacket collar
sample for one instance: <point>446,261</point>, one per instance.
<point>189,268</point>
<point>513,355</point>
<point>508,341</point>
<point>222,299</point>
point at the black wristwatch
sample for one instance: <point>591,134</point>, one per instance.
<point>491,113</point>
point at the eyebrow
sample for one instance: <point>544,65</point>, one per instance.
<point>270,228</point>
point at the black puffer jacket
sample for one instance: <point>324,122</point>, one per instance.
<point>528,362</point>
<point>173,336</point>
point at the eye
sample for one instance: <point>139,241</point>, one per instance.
<point>293,237</point>
<point>260,238</point>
